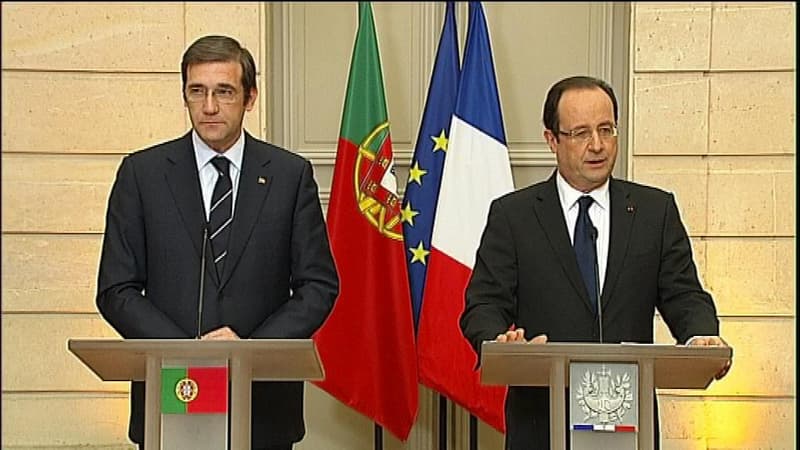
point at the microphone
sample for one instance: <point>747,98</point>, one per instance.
<point>593,235</point>
<point>202,281</point>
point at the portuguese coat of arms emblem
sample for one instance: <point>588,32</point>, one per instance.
<point>376,185</point>
<point>186,390</point>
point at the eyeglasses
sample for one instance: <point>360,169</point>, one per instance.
<point>198,94</point>
<point>584,135</point>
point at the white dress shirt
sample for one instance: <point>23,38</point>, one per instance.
<point>203,154</point>
<point>599,212</point>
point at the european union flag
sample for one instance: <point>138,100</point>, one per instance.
<point>425,173</point>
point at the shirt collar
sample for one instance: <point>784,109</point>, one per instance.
<point>204,154</point>
<point>569,195</point>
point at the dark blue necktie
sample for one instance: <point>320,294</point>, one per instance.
<point>219,222</point>
<point>585,249</point>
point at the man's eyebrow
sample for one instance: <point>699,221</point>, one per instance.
<point>220,85</point>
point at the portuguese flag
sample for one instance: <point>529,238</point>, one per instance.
<point>194,390</point>
<point>367,343</point>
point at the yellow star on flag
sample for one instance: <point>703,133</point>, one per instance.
<point>440,141</point>
<point>408,214</point>
<point>415,173</point>
<point>419,253</point>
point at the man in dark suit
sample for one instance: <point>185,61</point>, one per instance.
<point>527,272</point>
<point>269,272</point>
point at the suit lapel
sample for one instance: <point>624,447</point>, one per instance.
<point>254,185</point>
<point>184,185</point>
<point>623,211</point>
<point>548,210</point>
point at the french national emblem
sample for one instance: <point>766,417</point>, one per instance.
<point>375,183</point>
<point>604,397</point>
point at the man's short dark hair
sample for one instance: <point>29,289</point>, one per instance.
<point>220,49</point>
<point>550,114</point>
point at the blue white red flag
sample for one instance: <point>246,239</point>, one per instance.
<point>477,170</point>
<point>425,172</point>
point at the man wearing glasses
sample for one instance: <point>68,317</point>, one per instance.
<point>218,235</point>
<point>582,257</point>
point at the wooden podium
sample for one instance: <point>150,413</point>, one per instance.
<point>248,360</point>
<point>659,366</point>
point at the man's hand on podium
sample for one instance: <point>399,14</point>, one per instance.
<point>220,334</point>
<point>712,341</point>
<point>518,335</point>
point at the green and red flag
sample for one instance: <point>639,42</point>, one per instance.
<point>194,390</point>
<point>367,343</point>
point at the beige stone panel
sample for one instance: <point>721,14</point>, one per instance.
<point>763,164</point>
<point>786,268</point>
<point>670,114</point>
<point>733,425</point>
<point>744,191</point>
<point>240,20</point>
<point>53,421</point>
<point>89,112</point>
<point>748,36</point>
<point>686,177</point>
<point>722,423</point>
<point>741,203</point>
<point>699,245</point>
<point>752,365</point>
<point>743,275</point>
<point>56,193</point>
<point>107,36</point>
<point>43,272</point>
<point>671,36</point>
<point>682,418</point>
<point>785,203</point>
<point>36,358</point>
<point>683,444</point>
<point>752,112</point>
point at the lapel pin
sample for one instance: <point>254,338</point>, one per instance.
<point>262,180</point>
<point>631,208</point>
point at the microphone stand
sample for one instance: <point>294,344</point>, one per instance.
<point>202,282</point>
<point>597,283</point>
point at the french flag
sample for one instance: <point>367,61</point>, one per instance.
<point>476,171</point>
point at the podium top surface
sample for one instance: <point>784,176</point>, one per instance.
<point>271,359</point>
<point>674,366</point>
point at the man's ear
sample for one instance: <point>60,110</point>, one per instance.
<point>252,100</point>
<point>550,137</point>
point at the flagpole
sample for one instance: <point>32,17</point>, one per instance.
<point>378,444</point>
<point>442,422</point>
<point>473,432</point>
